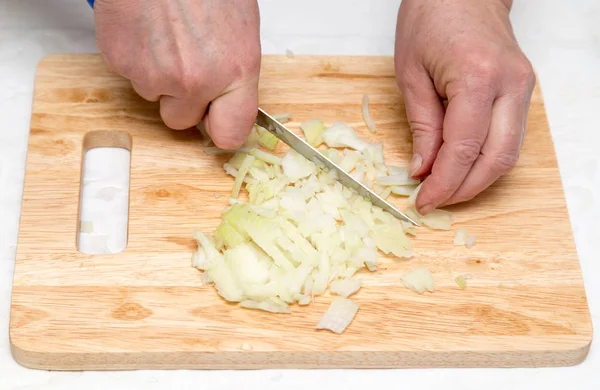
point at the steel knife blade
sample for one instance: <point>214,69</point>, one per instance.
<point>302,147</point>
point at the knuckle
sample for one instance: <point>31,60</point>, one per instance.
<point>188,80</point>
<point>482,67</point>
<point>423,129</point>
<point>523,74</point>
<point>408,80</point>
<point>467,151</point>
<point>480,72</point>
<point>503,162</point>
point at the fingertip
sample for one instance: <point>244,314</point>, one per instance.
<point>424,204</point>
<point>416,162</point>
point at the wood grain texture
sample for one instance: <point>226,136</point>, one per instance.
<point>145,308</point>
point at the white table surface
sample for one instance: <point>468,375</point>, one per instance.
<point>562,38</point>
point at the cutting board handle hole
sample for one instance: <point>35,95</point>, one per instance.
<point>104,193</point>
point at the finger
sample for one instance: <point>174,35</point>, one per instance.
<point>500,152</point>
<point>181,114</point>
<point>145,92</point>
<point>425,113</point>
<point>466,125</point>
<point>232,116</point>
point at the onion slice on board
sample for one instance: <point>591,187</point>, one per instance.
<point>339,315</point>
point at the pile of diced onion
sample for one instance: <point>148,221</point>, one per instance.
<point>301,233</point>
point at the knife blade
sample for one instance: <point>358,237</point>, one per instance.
<point>302,147</point>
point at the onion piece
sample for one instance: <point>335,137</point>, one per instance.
<point>397,170</point>
<point>206,140</point>
<point>385,193</point>
<point>266,157</point>
<point>461,282</point>
<point>345,287</point>
<point>339,315</point>
<point>418,280</point>
<point>396,180</point>
<point>349,161</point>
<point>460,237</point>
<point>403,190</point>
<point>340,135</point>
<point>296,167</point>
<point>313,131</point>
<point>438,219</point>
<point>413,197</point>
<point>239,178</point>
<point>86,227</point>
<point>266,139</point>
<point>367,115</point>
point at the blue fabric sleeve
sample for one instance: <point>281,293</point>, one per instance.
<point>91,3</point>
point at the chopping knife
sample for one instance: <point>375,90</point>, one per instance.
<point>302,147</point>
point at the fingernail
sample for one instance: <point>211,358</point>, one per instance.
<point>415,164</point>
<point>426,209</point>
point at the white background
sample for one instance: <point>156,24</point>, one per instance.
<point>562,38</point>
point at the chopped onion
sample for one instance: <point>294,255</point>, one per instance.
<point>313,131</point>
<point>345,287</point>
<point>239,178</point>
<point>413,197</point>
<point>397,170</point>
<point>418,280</point>
<point>438,219</point>
<point>86,227</point>
<point>302,234</point>
<point>296,167</point>
<point>367,114</point>
<point>340,135</point>
<point>266,157</point>
<point>385,193</point>
<point>461,282</point>
<point>460,238</point>
<point>403,190</point>
<point>206,138</point>
<point>266,139</point>
<point>396,180</point>
<point>339,315</point>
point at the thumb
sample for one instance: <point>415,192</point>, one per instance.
<point>425,113</point>
<point>231,116</point>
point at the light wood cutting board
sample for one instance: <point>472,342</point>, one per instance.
<point>145,308</point>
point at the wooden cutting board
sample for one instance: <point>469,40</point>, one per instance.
<point>145,308</point>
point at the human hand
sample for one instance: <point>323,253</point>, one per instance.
<point>191,56</point>
<point>463,51</point>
